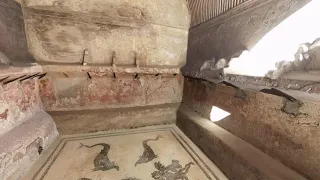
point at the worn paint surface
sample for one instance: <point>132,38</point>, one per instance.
<point>144,32</point>
<point>18,102</point>
<point>107,92</point>
<point>171,13</point>
<point>24,126</point>
<point>19,148</point>
<point>259,120</point>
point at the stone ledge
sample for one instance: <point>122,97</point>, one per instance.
<point>104,69</point>
<point>234,156</point>
<point>19,147</point>
<point>303,90</point>
<point>84,121</point>
<point>106,11</point>
<point>20,70</point>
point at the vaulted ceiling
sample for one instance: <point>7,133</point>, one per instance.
<point>203,10</point>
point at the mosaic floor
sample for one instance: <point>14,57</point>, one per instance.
<point>156,153</point>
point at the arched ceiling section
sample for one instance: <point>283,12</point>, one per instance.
<point>237,29</point>
<point>203,10</point>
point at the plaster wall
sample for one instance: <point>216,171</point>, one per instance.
<point>67,94</point>
<point>24,126</point>
<point>144,33</point>
<point>260,119</point>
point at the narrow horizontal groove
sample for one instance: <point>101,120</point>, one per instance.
<point>115,109</point>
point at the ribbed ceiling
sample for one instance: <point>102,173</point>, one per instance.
<point>203,10</point>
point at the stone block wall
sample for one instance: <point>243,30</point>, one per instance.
<point>288,133</point>
<point>18,102</point>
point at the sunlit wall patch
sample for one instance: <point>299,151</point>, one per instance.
<point>218,114</point>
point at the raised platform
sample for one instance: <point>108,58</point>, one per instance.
<point>159,152</point>
<point>238,159</point>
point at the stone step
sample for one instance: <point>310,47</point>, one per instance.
<point>235,157</point>
<point>85,121</point>
<point>21,146</point>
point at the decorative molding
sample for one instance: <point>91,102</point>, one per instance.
<point>203,10</point>
<point>236,11</point>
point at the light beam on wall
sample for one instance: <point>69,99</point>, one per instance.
<point>218,114</point>
<point>281,43</point>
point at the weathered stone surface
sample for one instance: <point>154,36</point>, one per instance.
<point>74,122</point>
<point>18,102</point>
<point>150,33</point>
<point>19,147</point>
<point>235,157</point>
<point>24,127</point>
<point>107,70</point>
<point>66,94</point>
<point>169,13</point>
<point>13,39</point>
<point>259,120</point>
<point>237,31</point>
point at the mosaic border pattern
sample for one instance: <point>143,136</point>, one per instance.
<point>63,142</point>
